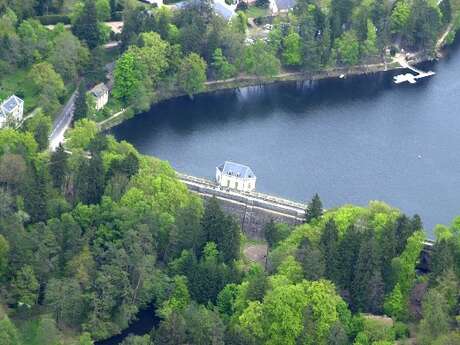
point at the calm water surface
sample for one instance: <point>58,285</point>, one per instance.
<point>351,140</point>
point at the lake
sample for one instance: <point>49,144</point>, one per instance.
<point>350,140</point>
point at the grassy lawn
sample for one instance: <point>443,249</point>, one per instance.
<point>254,12</point>
<point>19,84</point>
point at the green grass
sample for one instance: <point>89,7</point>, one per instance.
<point>19,84</point>
<point>254,12</point>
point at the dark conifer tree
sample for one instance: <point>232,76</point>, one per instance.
<point>442,259</point>
<point>388,247</point>
<point>90,181</point>
<point>367,267</point>
<point>348,252</point>
<point>222,230</point>
<point>81,107</point>
<point>311,259</point>
<point>86,27</point>
<point>446,10</point>
<point>95,71</point>
<point>35,194</point>
<point>314,209</point>
<point>58,166</point>
<point>376,292</point>
<point>329,247</point>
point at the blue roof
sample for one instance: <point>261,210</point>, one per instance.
<point>10,103</point>
<point>236,169</point>
<point>223,9</point>
<point>285,4</point>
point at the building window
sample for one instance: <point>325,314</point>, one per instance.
<point>236,185</point>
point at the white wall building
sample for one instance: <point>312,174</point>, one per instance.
<point>101,95</point>
<point>11,111</point>
<point>236,176</point>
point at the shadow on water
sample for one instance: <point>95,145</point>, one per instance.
<point>183,115</point>
<point>144,323</point>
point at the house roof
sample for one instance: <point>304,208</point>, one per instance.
<point>11,103</point>
<point>220,7</point>
<point>236,169</point>
<point>99,90</point>
<point>285,4</point>
<point>223,9</point>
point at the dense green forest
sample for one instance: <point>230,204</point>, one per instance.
<point>94,232</point>
<point>88,239</point>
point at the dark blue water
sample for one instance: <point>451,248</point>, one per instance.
<point>145,321</point>
<point>351,140</point>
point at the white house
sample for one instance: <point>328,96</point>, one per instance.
<point>11,111</point>
<point>101,94</point>
<point>236,176</point>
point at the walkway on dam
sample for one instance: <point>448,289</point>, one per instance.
<point>268,203</point>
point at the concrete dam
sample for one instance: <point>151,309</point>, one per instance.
<point>253,209</point>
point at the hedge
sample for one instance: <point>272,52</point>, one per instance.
<point>53,19</point>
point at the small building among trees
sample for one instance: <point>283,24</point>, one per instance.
<point>11,111</point>
<point>236,176</point>
<point>101,94</point>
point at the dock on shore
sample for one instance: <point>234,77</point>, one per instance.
<point>409,77</point>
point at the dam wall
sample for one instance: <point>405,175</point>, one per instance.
<point>252,209</point>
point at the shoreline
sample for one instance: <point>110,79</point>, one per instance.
<point>246,81</point>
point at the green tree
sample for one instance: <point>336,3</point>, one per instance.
<point>312,260</point>
<point>314,209</point>
<point>81,105</point>
<point>90,180</point>
<point>58,166</point>
<point>400,16</point>
<point>86,26</point>
<point>258,59</point>
<point>222,230</point>
<point>370,44</point>
<point>103,10</point>
<point>275,232</point>
<point>9,335</point>
<point>446,9</point>
<point>179,299</point>
<point>85,339</point>
<point>435,320</point>
<point>4,251</point>
<point>35,192</point>
<point>69,56</point>
<point>367,270</point>
<point>48,85</point>
<point>329,242</point>
<point>192,74</point>
<point>292,49</point>
<point>65,299</point>
<point>127,77</point>
<point>80,136</point>
<point>222,67</point>
<point>348,48</point>
<point>40,126</point>
<point>25,286</point>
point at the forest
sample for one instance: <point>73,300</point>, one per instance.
<point>91,234</point>
<point>94,232</point>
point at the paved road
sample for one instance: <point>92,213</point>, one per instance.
<point>62,122</point>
